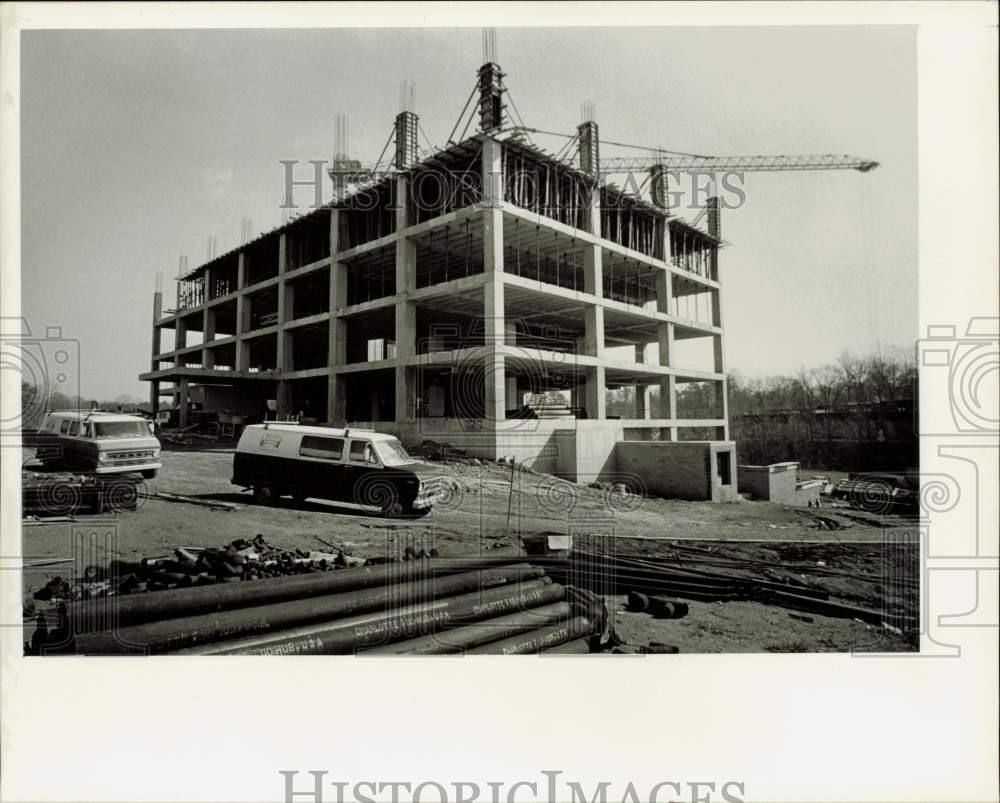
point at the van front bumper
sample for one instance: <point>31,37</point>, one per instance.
<point>127,467</point>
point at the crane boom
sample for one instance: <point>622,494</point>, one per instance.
<point>829,161</point>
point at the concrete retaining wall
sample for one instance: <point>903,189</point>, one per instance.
<point>773,483</point>
<point>681,469</point>
<point>586,451</point>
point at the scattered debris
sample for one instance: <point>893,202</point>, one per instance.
<point>659,648</point>
<point>240,560</point>
<point>212,504</point>
<point>432,450</point>
<point>61,494</point>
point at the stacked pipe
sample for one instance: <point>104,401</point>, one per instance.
<point>488,604</point>
<point>614,574</point>
<point>876,496</point>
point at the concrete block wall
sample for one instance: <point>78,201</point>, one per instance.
<point>773,483</point>
<point>584,451</point>
<point>680,469</point>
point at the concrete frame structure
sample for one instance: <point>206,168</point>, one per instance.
<point>450,351</point>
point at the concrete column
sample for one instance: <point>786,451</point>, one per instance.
<point>510,392</point>
<point>495,400</point>
<point>665,336</point>
<point>284,339</point>
<point>241,271</point>
<point>284,398</point>
<point>242,316</point>
<point>668,402</point>
<point>509,333</point>
<point>718,341</point>
<point>664,292</point>
<point>208,329</point>
<point>406,335</point>
<point>154,397</point>
<point>208,325</point>
<point>596,398</point>
<point>593,322</point>
<point>494,322</point>
<point>406,310</point>
<point>337,332</point>
<point>157,331</point>
<point>182,402</point>
<point>593,283</point>
<point>722,406</point>
<point>180,334</point>
<point>643,401</point>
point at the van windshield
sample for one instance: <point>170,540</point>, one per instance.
<point>393,453</point>
<point>121,429</point>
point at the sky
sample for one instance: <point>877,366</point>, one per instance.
<point>137,146</point>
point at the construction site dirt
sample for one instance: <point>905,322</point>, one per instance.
<point>861,558</point>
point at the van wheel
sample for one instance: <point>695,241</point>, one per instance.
<point>299,497</point>
<point>149,473</point>
<point>393,508</point>
<point>264,494</point>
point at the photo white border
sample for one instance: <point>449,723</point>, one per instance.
<point>789,727</point>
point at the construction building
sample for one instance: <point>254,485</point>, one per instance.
<point>433,300</point>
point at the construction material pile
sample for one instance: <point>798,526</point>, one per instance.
<point>618,574</point>
<point>63,493</point>
<point>240,560</point>
<point>478,605</point>
<point>878,495</point>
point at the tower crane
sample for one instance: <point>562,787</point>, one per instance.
<point>759,164</point>
<point>659,164</point>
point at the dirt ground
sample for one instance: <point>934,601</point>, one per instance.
<point>476,516</point>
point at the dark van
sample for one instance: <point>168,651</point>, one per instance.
<point>344,465</point>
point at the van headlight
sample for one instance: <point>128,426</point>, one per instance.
<point>103,457</point>
<point>156,452</point>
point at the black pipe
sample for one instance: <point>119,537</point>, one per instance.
<point>174,634</point>
<point>536,640</point>
<point>350,635</point>
<point>132,609</point>
<point>455,641</point>
<point>580,646</point>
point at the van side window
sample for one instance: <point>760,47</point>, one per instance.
<point>74,428</point>
<point>329,448</point>
<point>358,451</point>
<point>65,427</point>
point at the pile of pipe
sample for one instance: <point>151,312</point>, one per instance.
<point>612,575</point>
<point>473,605</point>
<point>877,496</point>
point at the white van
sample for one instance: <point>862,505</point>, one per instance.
<point>99,443</point>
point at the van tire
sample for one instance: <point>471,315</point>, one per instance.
<point>263,493</point>
<point>393,508</point>
<point>149,473</point>
<point>299,497</point>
